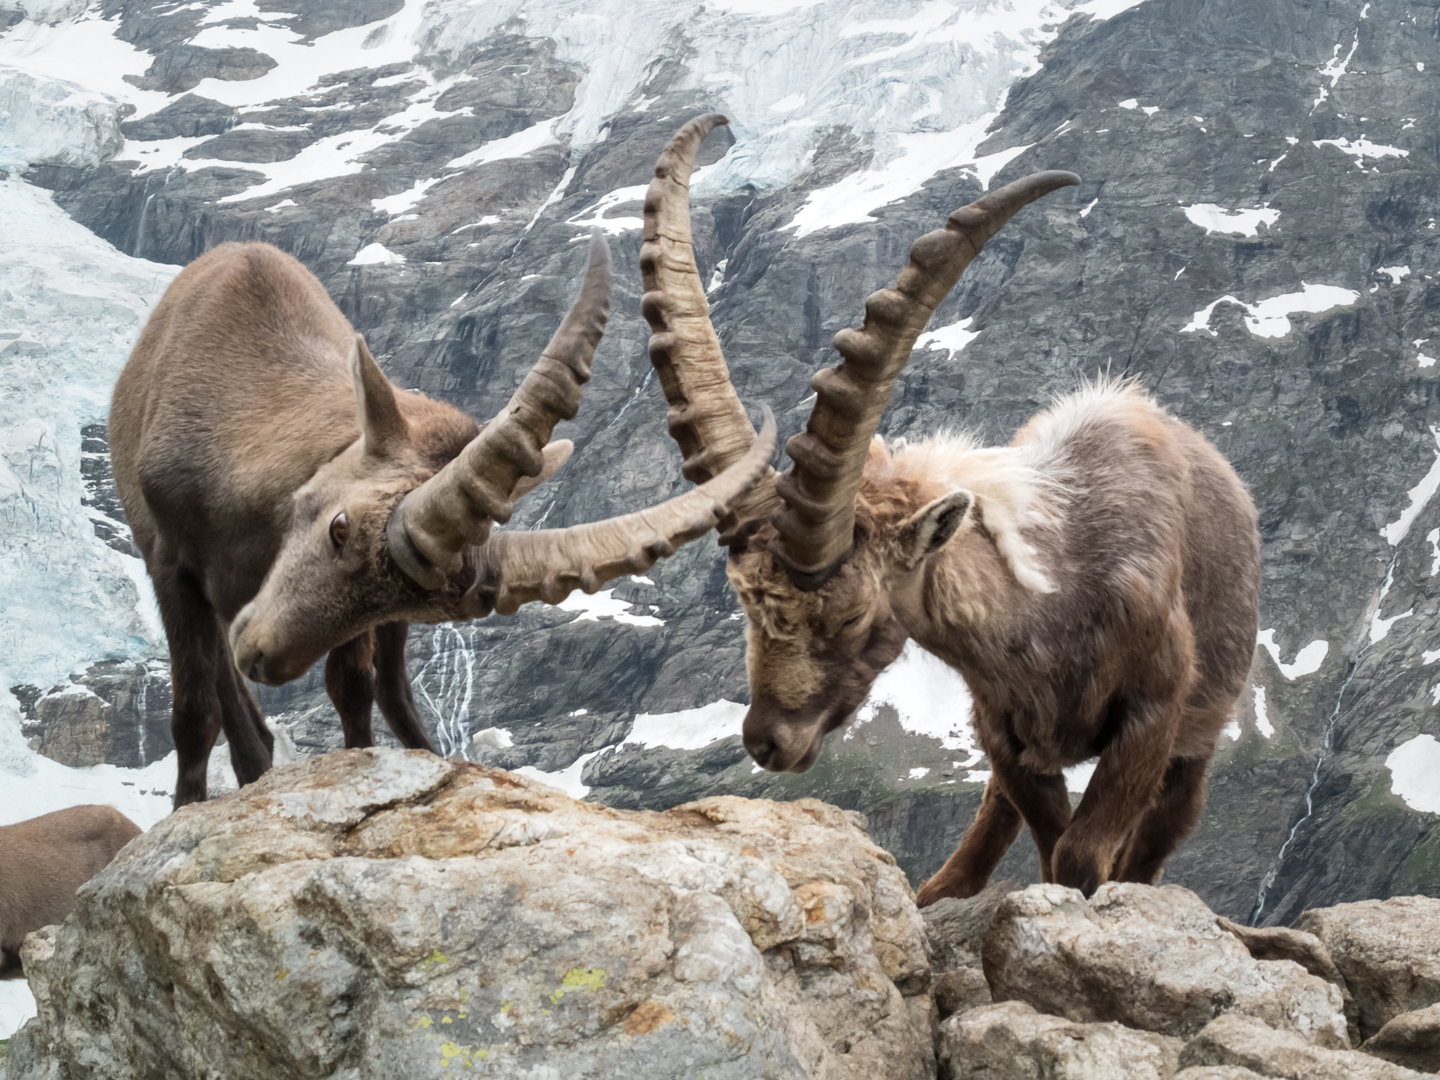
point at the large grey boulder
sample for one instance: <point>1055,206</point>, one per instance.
<point>1244,1042</point>
<point>385,913</point>
<point>1012,1041</point>
<point>1411,1039</point>
<point>1388,951</point>
<point>1150,958</point>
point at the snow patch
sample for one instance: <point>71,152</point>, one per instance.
<point>1217,219</point>
<point>953,337</point>
<point>1363,148</point>
<point>396,204</point>
<point>1396,274</point>
<point>1262,715</point>
<point>1307,661</point>
<point>376,254</point>
<point>593,216</point>
<point>1268,318</point>
<point>567,779</point>
<point>493,738</point>
<point>688,729</point>
<point>1415,773</point>
<point>918,773</point>
<point>1420,494</point>
<point>512,146</point>
<point>930,698</point>
<point>604,605</point>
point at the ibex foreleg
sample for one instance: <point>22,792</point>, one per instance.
<point>208,693</point>
<point>1166,823</point>
<point>1124,787</point>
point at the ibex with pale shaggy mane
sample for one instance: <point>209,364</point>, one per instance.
<point>43,861</point>
<point>1095,582</point>
<point>282,489</point>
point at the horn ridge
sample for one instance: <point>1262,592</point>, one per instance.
<point>817,520</point>
<point>705,415</point>
<point>549,564</point>
<point>457,506</point>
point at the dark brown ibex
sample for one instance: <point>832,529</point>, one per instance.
<point>43,861</point>
<point>1095,582</point>
<point>280,487</point>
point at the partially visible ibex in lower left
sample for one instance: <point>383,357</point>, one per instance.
<point>1096,582</point>
<point>43,861</point>
<point>283,492</point>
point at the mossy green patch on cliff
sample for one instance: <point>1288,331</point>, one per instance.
<point>1420,872</point>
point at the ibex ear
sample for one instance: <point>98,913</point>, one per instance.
<point>381,423</point>
<point>926,531</point>
<point>556,454</point>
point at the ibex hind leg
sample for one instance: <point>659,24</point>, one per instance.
<point>350,682</point>
<point>392,688</point>
<point>1165,824</point>
<point>984,844</point>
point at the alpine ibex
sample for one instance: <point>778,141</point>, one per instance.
<point>1095,582</point>
<point>43,861</point>
<point>280,488</point>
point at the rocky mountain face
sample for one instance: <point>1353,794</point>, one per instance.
<point>1255,241</point>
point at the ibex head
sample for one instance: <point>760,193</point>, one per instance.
<point>396,526</point>
<point>828,572</point>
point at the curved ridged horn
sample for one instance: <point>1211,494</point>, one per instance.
<point>457,506</point>
<point>550,564</point>
<point>817,524</point>
<point>705,416</point>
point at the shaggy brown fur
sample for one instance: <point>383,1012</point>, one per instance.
<point>43,861</point>
<point>1096,583</point>
<point>235,430</point>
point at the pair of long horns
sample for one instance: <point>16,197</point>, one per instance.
<point>812,507</point>
<point>455,509</point>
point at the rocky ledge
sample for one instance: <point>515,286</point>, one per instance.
<point>377,913</point>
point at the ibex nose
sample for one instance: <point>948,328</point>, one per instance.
<point>757,740</point>
<point>249,658</point>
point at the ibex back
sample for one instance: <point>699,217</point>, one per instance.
<point>283,492</point>
<point>1096,582</point>
<point>43,861</point>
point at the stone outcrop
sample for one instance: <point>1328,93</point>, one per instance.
<point>385,913</point>
<point>1150,958</point>
<point>1283,943</point>
<point>1411,1039</point>
<point>1010,1041</point>
<point>1388,951</point>
<point>1244,1042</point>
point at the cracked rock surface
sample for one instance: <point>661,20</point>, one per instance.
<point>385,913</point>
<point>1150,958</point>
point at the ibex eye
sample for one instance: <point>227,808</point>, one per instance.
<point>340,529</point>
<point>851,621</point>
